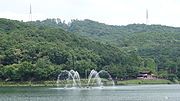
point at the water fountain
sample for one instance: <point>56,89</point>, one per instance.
<point>71,78</point>
<point>95,78</point>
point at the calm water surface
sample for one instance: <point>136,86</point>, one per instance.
<point>119,93</point>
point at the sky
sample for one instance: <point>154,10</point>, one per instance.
<point>112,12</point>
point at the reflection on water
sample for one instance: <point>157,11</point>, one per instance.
<point>120,93</point>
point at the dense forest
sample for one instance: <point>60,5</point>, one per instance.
<point>40,50</point>
<point>160,44</point>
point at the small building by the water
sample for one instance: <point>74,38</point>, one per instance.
<point>146,75</point>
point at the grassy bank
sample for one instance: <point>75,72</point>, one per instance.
<point>28,83</point>
<point>53,83</point>
<point>137,81</point>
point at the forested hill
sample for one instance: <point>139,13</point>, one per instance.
<point>122,35</point>
<point>32,52</point>
<point>157,42</point>
<point>41,50</point>
<point>162,43</point>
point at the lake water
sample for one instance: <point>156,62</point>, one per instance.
<point>118,93</point>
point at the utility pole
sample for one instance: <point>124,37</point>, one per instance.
<point>147,16</point>
<point>30,13</point>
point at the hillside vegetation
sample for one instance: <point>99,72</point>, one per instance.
<point>30,52</point>
<point>161,43</point>
<point>40,50</point>
<point>156,43</point>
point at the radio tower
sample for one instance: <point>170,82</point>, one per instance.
<point>30,13</point>
<point>147,17</point>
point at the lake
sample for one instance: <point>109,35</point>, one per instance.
<point>118,93</point>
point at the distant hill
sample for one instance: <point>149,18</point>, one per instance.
<point>161,43</point>
<point>122,35</point>
<point>40,51</point>
<point>157,42</point>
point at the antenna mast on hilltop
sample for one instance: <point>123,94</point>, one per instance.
<point>147,17</point>
<point>30,13</point>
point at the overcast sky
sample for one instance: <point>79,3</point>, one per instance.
<point>114,12</point>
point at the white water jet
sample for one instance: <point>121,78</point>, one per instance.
<point>95,79</point>
<point>69,76</point>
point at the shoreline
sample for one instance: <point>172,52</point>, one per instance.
<point>145,82</point>
<point>53,83</point>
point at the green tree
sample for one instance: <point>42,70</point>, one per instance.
<point>43,69</point>
<point>26,71</point>
<point>10,72</point>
